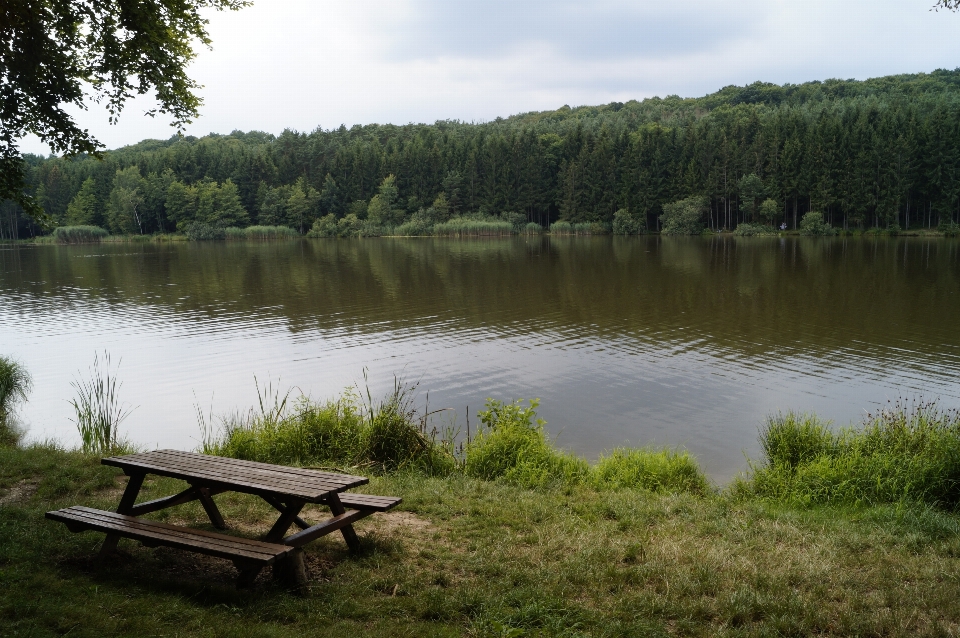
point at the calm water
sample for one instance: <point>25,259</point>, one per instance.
<point>678,342</point>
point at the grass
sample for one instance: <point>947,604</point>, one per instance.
<point>470,557</point>
<point>78,234</point>
<point>904,454</point>
<point>262,233</point>
<point>502,534</point>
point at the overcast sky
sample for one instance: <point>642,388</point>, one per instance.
<point>303,64</point>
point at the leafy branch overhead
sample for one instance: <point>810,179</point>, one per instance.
<point>59,54</point>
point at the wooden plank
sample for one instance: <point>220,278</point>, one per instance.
<point>182,538</point>
<point>83,514</point>
<point>340,521</point>
<point>186,469</point>
<point>369,502</point>
<point>190,494</point>
<point>202,461</point>
<point>345,478</point>
<point>312,493</point>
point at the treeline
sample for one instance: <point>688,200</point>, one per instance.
<point>878,153</point>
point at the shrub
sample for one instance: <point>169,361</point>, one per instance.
<point>78,234</point>
<point>325,226</point>
<point>812,223</point>
<point>684,217</point>
<point>654,470</point>
<point>512,446</point>
<point>349,226</point>
<point>15,385</point>
<point>625,223</point>
<point>516,220</point>
<point>262,233</point>
<point>948,228</point>
<point>750,230</point>
<point>200,231</point>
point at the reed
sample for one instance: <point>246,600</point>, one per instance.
<point>533,228</point>
<point>905,453</point>
<point>261,233</point>
<point>466,227</point>
<point>78,234</point>
<point>98,410</point>
<point>15,385</point>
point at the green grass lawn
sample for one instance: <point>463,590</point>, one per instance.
<point>463,556</point>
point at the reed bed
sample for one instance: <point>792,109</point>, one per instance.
<point>262,233</point>
<point>78,234</point>
<point>464,227</point>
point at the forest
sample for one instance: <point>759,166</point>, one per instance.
<point>879,153</point>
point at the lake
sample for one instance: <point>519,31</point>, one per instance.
<point>681,342</point>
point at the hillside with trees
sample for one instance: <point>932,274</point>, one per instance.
<point>879,153</point>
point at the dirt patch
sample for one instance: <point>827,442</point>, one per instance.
<point>19,493</point>
<point>400,523</point>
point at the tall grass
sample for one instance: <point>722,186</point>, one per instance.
<point>355,431</point>
<point>465,227</point>
<point>98,410</point>
<point>78,234</point>
<point>262,232</point>
<point>351,430</point>
<point>15,385</point>
<point>906,453</point>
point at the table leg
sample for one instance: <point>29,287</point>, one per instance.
<point>211,508</point>
<point>349,535</point>
<point>287,517</point>
<point>126,505</point>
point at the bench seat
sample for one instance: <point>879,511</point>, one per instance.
<point>244,552</point>
<point>369,502</point>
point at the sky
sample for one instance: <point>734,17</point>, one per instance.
<point>308,64</point>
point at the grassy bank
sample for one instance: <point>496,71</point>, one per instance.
<point>502,534</point>
<point>466,556</point>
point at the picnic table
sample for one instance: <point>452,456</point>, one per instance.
<point>286,489</point>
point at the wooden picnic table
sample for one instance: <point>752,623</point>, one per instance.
<point>286,489</point>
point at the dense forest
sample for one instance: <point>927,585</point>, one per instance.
<point>878,153</point>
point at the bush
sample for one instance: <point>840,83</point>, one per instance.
<point>349,226</point>
<point>200,231</point>
<point>948,228</point>
<point>325,226</point>
<point>262,232</point>
<point>812,223</point>
<point>512,446</point>
<point>751,230</point>
<point>899,455</point>
<point>684,217</point>
<point>533,228</point>
<point>15,385</point>
<point>516,220</point>
<point>625,223</point>
<point>78,234</point>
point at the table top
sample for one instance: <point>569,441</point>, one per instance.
<point>312,486</point>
